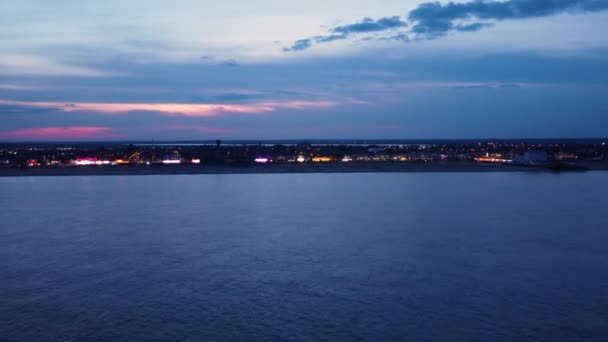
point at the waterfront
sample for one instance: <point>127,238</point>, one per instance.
<point>420,256</point>
<point>385,167</point>
<point>27,158</point>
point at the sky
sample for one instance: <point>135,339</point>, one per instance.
<point>274,69</point>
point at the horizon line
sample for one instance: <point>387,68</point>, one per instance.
<point>302,140</point>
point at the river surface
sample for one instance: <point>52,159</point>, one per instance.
<point>305,257</point>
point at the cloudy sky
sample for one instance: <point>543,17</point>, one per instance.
<point>275,69</point>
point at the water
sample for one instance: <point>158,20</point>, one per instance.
<point>307,257</point>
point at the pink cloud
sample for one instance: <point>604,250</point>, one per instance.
<point>60,133</point>
<point>182,109</point>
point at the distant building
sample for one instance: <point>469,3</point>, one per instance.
<point>531,158</point>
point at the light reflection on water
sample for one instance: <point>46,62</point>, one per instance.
<point>428,256</point>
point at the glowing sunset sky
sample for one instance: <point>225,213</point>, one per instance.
<point>271,69</point>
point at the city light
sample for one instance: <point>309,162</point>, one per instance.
<point>496,153</point>
<point>83,162</point>
<point>90,162</point>
<point>492,160</point>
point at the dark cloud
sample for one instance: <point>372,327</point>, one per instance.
<point>433,19</point>
<point>367,25</point>
<point>433,28</point>
<point>371,25</point>
<point>330,38</point>
<point>299,45</point>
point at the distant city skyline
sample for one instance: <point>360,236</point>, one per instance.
<point>189,70</point>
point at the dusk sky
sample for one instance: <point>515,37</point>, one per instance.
<point>275,69</point>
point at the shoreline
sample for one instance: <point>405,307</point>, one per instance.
<point>277,169</point>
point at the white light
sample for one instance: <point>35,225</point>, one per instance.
<point>171,161</point>
<point>301,159</point>
<point>262,160</point>
<point>84,162</point>
<point>196,161</point>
